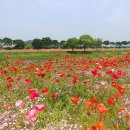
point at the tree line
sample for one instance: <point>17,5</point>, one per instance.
<point>84,42</point>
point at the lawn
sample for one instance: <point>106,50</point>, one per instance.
<point>65,90</point>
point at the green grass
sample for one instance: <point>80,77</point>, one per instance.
<point>49,55</point>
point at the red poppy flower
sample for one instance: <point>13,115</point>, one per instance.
<point>62,75</point>
<point>117,95</point>
<point>114,84</point>
<point>4,72</point>
<point>108,72</point>
<point>57,80</point>
<point>28,81</point>
<point>88,104</point>
<point>127,117</point>
<point>122,109</point>
<point>53,95</point>
<point>121,89</point>
<point>85,82</point>
<point>45,91</point>
<point>100,125</point>
<point>111,100</point>
<point>120,72</point>
<point>55,71</point>
<point>32,91</point>
<point>75,99</point>
<point>75,81</point>
<point>115,75</point>
<point>84,69</point>
<point>9,79</point>
<point>94,127</point>
<point>8,86</point>
<point>33,94</point>
<point>41,75</point>
<point>19,77</point>
<point>101,108</point>
<point>85,128</point>
<point>40,107</point>
<point>94,100</point>
<point>68,75</point>
<point>94,72</point>
<point>7,105</point>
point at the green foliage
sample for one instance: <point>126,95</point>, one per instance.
<point>1,41</point>
<point>37,44</point>
<point>7,40</point>
<point>118,44</point>
<point>46,42</point>
<point>28,46</point>
<point>61,44</point>
<point>54,44</point>
<point>124,43</point>
<point>98,43</point>
<point>19,44</point>
<point>71,43</point>
<point>86,41</point>
<point>1,44</point>
<point>106,42</point>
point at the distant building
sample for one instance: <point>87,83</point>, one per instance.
<point>115,46</point>
<point>8,45</point>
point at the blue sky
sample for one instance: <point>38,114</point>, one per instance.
<point>62,19</point>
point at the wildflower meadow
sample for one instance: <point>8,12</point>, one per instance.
<point>67,92</point>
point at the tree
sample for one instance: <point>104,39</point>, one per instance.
<point>71,43</point>
<point>1,41</point>
<point>118,44</point>
<point>128,44</point>
<point>46,42</point>
<point>106,42</point>
<point>54,44</point>
<point>86,41</point>
<point>98,43</point>
<point>7,40</point>
<point>65,45</point>
<point>19,44</point>
<point>61,44</point>
<point>37,43</point>
<point>124,43</point>
<point>1,44</point>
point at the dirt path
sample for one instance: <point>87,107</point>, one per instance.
<point>64,50</point>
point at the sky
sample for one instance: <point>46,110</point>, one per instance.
<point>63,19</point>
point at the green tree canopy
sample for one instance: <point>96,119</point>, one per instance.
<point>19,44</point>
<point>86,41</point>
<point>46,42</point>
<point>118,44</point>
<point>7,40</point>
<point>61,44</point>
<point>106,42</point>
<point>98,43</point>
<point>1,41</point>
<point>54,44</point>
<point>71,43</point>
<point>37,43</point>
<point>124,42</point>
<point>1,44</point>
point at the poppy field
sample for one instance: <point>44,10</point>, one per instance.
<point>65,92</point>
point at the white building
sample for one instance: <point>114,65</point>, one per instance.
<point>8,45</point>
